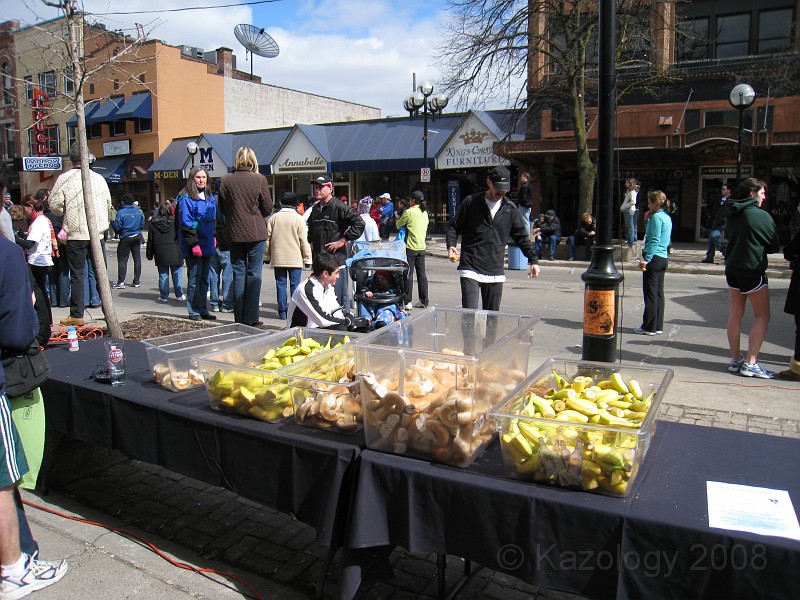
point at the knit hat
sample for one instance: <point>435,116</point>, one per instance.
<point>365,204</point>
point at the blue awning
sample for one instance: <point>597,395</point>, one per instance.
<point>139,106</point>
<point>88,110</point>
<point>107,113</point>
<point>113,169</point>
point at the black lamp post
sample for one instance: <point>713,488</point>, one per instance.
<point>421,99</point>
<point>741,98</point>
<point>192,149</point>
<point>92,158</point>
<point>601,279</point>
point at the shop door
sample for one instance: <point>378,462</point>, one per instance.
<point>710,193</point>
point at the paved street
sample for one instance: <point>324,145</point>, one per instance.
<point>205,525</point>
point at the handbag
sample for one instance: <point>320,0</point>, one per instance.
<point>24,370</point>
<point>402,234</point>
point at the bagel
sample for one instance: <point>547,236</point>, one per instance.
<point>440,432</point>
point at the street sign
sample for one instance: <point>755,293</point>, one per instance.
<point>425,175</point>
<point>42,163</point>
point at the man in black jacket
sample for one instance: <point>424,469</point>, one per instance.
<point>330,226</point>
<point>550,230</point>
<point>485,221</point>
<point>716,230</point>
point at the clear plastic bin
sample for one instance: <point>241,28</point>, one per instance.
<point>581,425</point>
<point>249,378</point>
<point>326,392</point>
<point>434,376</point>
<point>170,356</point>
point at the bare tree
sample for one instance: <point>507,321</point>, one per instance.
<point>90,53</point>
<point>547,51</point>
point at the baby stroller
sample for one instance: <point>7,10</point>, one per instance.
<point>373,264</point>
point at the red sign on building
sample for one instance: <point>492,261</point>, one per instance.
<point>41,136</point>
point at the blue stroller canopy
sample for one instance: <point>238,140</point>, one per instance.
<point>395,250</point>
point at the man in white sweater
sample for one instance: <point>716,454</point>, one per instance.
<point>67,198</point>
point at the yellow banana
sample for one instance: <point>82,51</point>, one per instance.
<point>619,383</point>
<point>606,395</point>
<point>530,433</point>
<point>521,446</point>
<point>635,389</point>
<point>579,383</point>
<point>606,384</point>
<point>618,403</point>
<point>587,407</point>
<point>534,463</point>
<point>567,392</point>
<point>560,381</point>
<point>572,415</point>
<point>608,457</point>
<point>543,406</point>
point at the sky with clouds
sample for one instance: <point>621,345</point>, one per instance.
<point>363,51</point>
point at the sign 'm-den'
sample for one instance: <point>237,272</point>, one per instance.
<point>42,163</point>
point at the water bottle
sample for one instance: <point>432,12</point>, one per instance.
<point>116,361</point>
<point>72,339</point>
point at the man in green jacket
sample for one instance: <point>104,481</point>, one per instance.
<point>415,220</point>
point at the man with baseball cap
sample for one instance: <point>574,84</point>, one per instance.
<point>387,215</point>
<point>485,221</point>
<point>330,226</point>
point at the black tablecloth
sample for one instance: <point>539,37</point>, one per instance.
<point>285,465</point>
<point>654,544</point>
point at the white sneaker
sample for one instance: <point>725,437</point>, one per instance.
<point>160,299</point>
<point>38,574</point>
<point>408,306</point>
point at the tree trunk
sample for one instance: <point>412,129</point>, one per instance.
<point>74,24</point>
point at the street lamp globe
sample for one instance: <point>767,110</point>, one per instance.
<point>417,99</point>
<point>426,87</point>
<point>192,148</point>
<point>742,96</point>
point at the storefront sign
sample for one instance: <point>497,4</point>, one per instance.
<point>453,198</point>
<point>116,147</point>
<point>725,171</point>
<point>470,146</point>
<point>299,155</point>
<point>42,163</point>
<point>41,138</point>
<point>167,175</point>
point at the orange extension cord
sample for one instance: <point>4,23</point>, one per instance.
<point>58,333</point>
<point>150,545</point>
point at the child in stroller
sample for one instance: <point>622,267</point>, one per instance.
<point>380,272</point>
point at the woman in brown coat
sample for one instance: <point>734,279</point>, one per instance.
<point>245,203</point>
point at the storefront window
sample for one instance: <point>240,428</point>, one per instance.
<point>783,194</point>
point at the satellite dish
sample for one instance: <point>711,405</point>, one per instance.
<point>256,41</point>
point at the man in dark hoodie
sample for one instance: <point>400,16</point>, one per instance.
<point>751,236</point>
<point>128,225</point>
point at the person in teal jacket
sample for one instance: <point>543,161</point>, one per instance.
<point>751,236</point>
<point>196,218</point>
<point>654,261</point>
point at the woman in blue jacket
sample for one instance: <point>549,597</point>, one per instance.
<point>655,257</point>
<point>196,218</point>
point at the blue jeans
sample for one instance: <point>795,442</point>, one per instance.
<point>163,281</point>
<point>90,292</point>
<point>59,279</point>
<point>197,284</point>
<point>586,241</point>
<point>221,272</point>
<point>341,287</point>
<point>631,219</point>
<point>525,213</point>
<point>247,261</point>
<point>281,275</point>
<point>551,241</point>
<point>715,241</point>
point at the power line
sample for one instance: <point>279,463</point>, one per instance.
<point>167,10</point>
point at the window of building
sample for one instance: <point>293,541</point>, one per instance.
<point>693,39</point>
<point>47,83</point>
<point>28,89</point>
<point>143,125</point>
<point>116,84</point>
<point>8,84</point>
<point>69,81</point>
<point>775,31</point>
<point>91,89</point>
<point>8,141</point>
<point>117,127</point>
<point>46,142</point>
<point>733,36</point>
<point>95,131</point>
<point>729,117</point>
<point>72,136</point>
<point>561,118</point>
<point>141,77</point>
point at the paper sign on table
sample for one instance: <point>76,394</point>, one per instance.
<point>754,509</point>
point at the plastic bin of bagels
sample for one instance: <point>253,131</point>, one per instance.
<point>429,380</point>
<point>170,356</point>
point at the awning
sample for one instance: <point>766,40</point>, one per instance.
<point>107,113</point>
<point>113,169</point>
<point>139,106</point>
<point>88,110</point>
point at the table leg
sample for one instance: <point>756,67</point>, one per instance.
<point>441,566</point>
